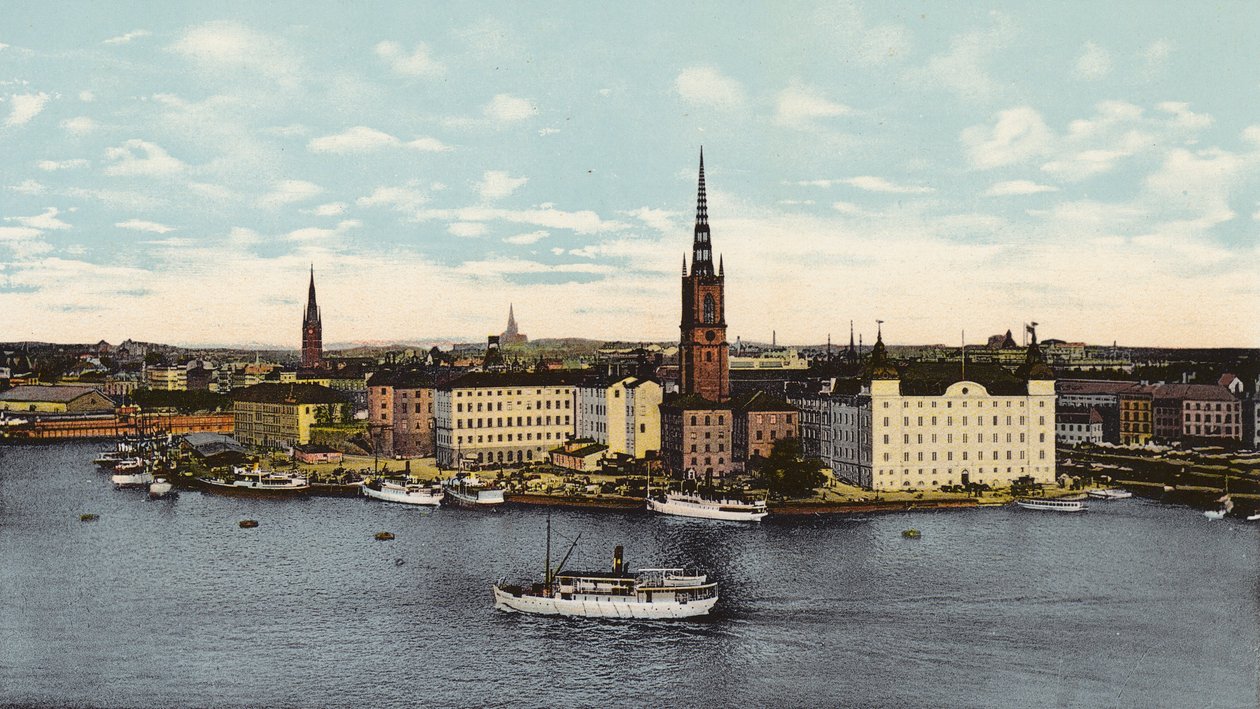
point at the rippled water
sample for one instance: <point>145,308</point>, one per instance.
<point>169,603</point>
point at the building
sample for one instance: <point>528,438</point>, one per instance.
<point>1137,415</point>
<point>313,454</point>
<point>173,378</point>
<point>312,330</point>
<point>1073,427</point>
<point>761,421</point>
<point>582,455</point>
<point>401,412</point>
<point>48,399</point>
<point>698,437</point>
<point>1251,420</point>
<point>937,432</point>
<point>1197,413</point>
<point>503,418</point>
<point>835,427</point>
<point>281,415</point>
<point>511,335</point>
<point>1100,394</point>
<point>624,414</point>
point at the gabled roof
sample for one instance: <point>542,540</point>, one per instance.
<point>1194,392</point>
<point>490,380</point>
<point>60,394</point>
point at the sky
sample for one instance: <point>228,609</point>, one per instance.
<point>172,171</point>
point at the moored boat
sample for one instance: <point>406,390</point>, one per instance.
<point>404,494</point>
<point>160,487</point>
<point>131,477</point>
<point>245,481</point>
<point>1110,494</point>
<point>684,505</point>
<point>1050,505</point>
<point>470,491</point>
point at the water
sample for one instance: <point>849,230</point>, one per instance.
<point>169,603</point>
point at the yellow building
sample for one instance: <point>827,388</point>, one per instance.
<point>624,414</point>
<point>281,415</point>
<point>167,378</point>
<point>47,399</point>
<point>1137,418</point>
<point>507,418</point>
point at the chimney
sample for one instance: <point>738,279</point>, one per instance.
<point>618,564</point>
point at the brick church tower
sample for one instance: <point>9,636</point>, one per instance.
<point>312,331</point>
<point>703,355</point>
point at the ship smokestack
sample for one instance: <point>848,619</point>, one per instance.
<point>618,564</point>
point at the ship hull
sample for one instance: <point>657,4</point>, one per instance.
<point>682,509</point>
<point>255,491</point>
<point>539,605</point>
<point>404,498</point>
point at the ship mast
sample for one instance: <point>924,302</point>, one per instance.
<point>547,575</point>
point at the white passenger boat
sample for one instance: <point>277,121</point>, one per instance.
<point>1254,518</point>
<point>405,494</point>
<point>160,487</point>
<point>1050,505</point>
<point>1110,494</point>
<point>684,505</point>
<point>648,593</point>
<point>131,477</point>
<point>470,491</point>
<point>270,483</point>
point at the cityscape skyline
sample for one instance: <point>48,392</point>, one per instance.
<point>174,175</point>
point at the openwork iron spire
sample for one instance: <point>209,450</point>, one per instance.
<point>702,248</point>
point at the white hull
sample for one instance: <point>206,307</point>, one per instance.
<point>1109,494</point>
<point>704,511</point>
<point>159,488</point>
<point>601,608</point>
<point>1052,505</point>
<point>131,479</point>
<point>401,495</point>
<point>481,498</point>
<point>1214,514</point>
<point>1253,518</point>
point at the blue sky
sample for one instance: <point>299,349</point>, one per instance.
<point>172,170</point>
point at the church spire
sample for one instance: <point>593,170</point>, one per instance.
<point>312,309</point>
<point>701,247</point>
<point>511,324</point>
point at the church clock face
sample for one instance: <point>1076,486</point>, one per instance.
<point>710,335</point>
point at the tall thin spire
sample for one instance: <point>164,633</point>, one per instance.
<point>701,247</point>
<point>511,324</point>
<point>312,309</point>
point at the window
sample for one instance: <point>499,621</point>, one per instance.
<point>710,309</point>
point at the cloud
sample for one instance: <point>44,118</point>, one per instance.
<point>316,234</point>
<point>964,68</point>
<point>871,183</point>
<point>403,199</point>
<point>46,221</point>
<point>1184,117</point>
<point>212,191</point>
<point>532,237</point>
<point>224,45</point>
<point>418,63</point>
<point>138,157</point>
<point>87,96</point>
<point>79,125</point>
<point>362,139</point>
<point>16,233</point>
<point>544,132</point>
<point>125,38</point>
<point>1154,57</point>
<point>504,108</point>
<point>1017,135</point>
<point>54,165</point>
<point>288,192</point>
<point>28,187</point>
<point>658,219</point>
<point>467,229</point>
<point>332,209</point>
<point>497,184</point>
<point>141,225</point>
<point>801,107</point>
<point>581,222</point>
<point>1017,187</point>
<point>704,85</point>
<point>1093,63</point>
<point>25,107</point>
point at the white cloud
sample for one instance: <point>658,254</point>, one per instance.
<point>28,187</point>
<point>582,222</point>
<point>362,139</point>
<point>141,225</point>
<point>704,85</point>
<point>1017,135</point>
<point>54,165</point>
<point>25,107</point>
<point>288,192</point>
<point>504,108</point>
<point>1017,187</point>
<point>1154,57</point>
<point>1184,117</point>
<point>497,184</point>
<point>212,191</point>
<point>79,125</point>
<point>532,237</point>
<point>801,107</point>
<point>332,209</point>
<point>47,220</point>
<point>223,45</point>
<point>139,157</point>
<point>418,63</point>
<point>544,132</point>
<point>18,232</point>
<point>125,38</point>
<point>467,229</point>
<point>403,199</point>
<point>658,219</point>
<point>871,183</point>
<point>317,234</point>
<point>964,68</point>
<point>87,96</point>
<point>1093,63</point>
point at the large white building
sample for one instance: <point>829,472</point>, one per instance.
<point>503,418</point>
<point>623,414</point>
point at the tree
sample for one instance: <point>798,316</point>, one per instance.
<point>789,473</point>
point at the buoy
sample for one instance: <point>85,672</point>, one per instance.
<point>384,536</point>
<point>399,562</point>
<point>88,517</point>
<point>912,534</point>
<point>249,523</point>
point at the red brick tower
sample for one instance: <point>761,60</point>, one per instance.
<point>703,363</point>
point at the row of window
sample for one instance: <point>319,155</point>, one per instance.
<point>498,406</point>
<point>949,438</point>
<point>518,437</point>
<point>949,404</point>
<point>949,456</point>
<point>502,392</point>
<point>949,420</point>
<point>501,421</point>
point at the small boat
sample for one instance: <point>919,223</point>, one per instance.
<point>1254,518</point>
<point>1049,505</point>
<point>684,505</point>
<point>128,465</point>
<point>404,494</point>
<point>1110,494</point>
<point>131,475</point>
<point>1227,505</point>
<point>470,491</point>
<point>245,481</point>
<point>160,487</point>
<point>648,593</point>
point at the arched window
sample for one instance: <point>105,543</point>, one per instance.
<point>710,309</point>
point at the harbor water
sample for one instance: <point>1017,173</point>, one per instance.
<point>170,603</point>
